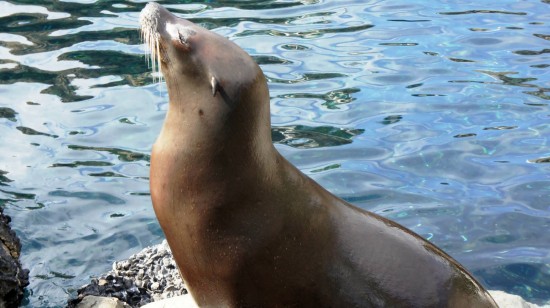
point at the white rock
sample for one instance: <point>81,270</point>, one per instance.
<point>506,300</point>
<point>101,302</point>
<point>184,301</point>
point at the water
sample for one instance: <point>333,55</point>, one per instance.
<point>434,114</point>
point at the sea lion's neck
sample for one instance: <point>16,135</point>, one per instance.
<point>206,140</point>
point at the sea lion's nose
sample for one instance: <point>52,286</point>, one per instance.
<point>152,13</point>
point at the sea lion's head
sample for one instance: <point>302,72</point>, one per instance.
<point>218,94</point>
<point>192,57</point>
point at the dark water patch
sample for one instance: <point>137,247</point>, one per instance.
<point>479,29</point>
<point>482,12</point>
<point>541,93</point>
<point>37,206</point>
<point>4,179</point>
<point>431,53</point>
<point>50,43</point>
<point>535,104</point>
<point>500,239</point>
<point>301,136</point>
<point>531,52</point>
<point>296,47</point>
<point>399,44</point>
<point>88,195</point>
<point>18,195</point>
<point>77,164</point>
<point>427,95</point>
<point>540,65</point>
<point>465,135</point>
<point>542,160</point>
<point>461,60</point>
<point>61,275</point>
<point>265,60</point>
<point>36,29</point>
<point>8,113</point>
<point>322,76</point>
<point>126,121</point>
<point>32,132</point>
<point>140,193</point>
<point>60,84</point>
<point>327,168</point>
<point>53,275</point>
<point>392,119</point>
<point>366,198</point>
<point>507,80</point>
<point>123,155</point>
<point>107,174</point>
<point>134,71</point>
<point>542,36</point>
<point>332,99</point>
<point>409,20</point>
<point>412,86</point>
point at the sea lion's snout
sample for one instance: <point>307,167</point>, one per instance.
<point>157,22</point>
<point>160,29</point>
<point>152,13</point>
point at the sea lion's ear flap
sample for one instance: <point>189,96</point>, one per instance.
<point>215,85</point>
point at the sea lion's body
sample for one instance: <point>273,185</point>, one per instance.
<point>246,228</point>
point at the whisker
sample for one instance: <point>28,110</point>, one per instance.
<point>152,46</point>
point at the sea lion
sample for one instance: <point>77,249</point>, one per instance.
<point>246,227</point>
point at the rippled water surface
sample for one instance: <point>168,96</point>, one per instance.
<point>432,113</point>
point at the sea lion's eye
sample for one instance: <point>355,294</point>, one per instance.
<point>183,39</point>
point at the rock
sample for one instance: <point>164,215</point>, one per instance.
<point>117,287</point>
<point>13,278</point>
<point>506,300</point>
<point>155,286</point>
<point>101,302</point>
<point>184,301</point>
<point>141,279</point>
